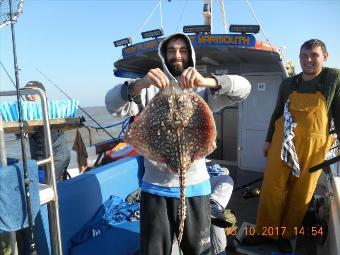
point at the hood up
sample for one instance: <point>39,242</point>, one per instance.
<point>162,53</point>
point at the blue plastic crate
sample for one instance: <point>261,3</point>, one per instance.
<point>32,110</point>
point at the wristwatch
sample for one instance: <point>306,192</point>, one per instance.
<point>137,98</point>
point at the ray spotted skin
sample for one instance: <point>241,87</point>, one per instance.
<point>175,129</point>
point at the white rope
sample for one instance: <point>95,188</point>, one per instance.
<point>161,13</point>
<point>225,25</point>
<point>181,16</point>
<point>140,29</point>
<point>280,50</point>
<point>258,22</point>
<point>146,21</point>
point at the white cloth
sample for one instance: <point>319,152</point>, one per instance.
<point>221,189</point>
<point>288,152</point>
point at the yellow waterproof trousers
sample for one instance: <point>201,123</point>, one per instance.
<point>284,198</point>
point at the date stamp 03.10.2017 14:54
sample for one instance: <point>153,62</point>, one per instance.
<point>277,231</point>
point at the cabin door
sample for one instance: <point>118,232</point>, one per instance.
<point>255,113</point>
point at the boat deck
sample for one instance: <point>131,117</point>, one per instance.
<point>245,211</point>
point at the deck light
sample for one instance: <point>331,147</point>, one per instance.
<point>123,42</point>
<point>197,29</point>
<point>152,33</point>
<point>244,29</point>
<point>206,8</point>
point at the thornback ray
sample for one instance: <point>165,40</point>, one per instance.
<point>175,128</point>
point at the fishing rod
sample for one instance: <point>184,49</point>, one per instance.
<point>248,184</point>
<point>328,162</point>
<point>325,164</point>
<point>23,150</point>
<point>9,77</point>
<point>8,74</point>
<point>55,85</point>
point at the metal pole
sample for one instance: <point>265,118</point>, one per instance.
<point>225,24</point>
<point>53,207</point>
<point>23,150</point>
<point>3,157</point>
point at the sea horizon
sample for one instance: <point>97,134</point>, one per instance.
<point>98,113</point>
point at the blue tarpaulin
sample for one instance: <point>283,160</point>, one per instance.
<point>13,212</point>
<point>114,211</point>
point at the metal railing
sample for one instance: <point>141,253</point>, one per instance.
<point>53,204</point>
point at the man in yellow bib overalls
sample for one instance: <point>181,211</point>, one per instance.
<point>297,139</point>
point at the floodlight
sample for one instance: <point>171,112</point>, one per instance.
<point>152,33</point>
<point>244,29</point>
<point>206,8</point>
<point>123,42</point>
<point>197,29</point>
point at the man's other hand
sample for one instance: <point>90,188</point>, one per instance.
<point>191,78</point>
<point>157,78</point>
<point>154,77</point>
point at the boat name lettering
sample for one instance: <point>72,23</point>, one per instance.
<point>241,40</point>
<point>197,40</point>
<point>144,46</point>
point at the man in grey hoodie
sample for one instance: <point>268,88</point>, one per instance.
<point>160,187</point>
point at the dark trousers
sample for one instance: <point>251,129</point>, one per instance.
<point>159,225</point>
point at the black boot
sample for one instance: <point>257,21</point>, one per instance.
<point>284,245</point>
<point>255,240</point>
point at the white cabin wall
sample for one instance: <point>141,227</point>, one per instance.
<point>242,127</point>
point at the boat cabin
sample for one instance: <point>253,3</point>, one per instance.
<point>242,127</point>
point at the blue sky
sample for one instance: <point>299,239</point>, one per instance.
<point>72,41</point>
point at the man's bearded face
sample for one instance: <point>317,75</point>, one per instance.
<point>176,67</point>
<point>177,56</point>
